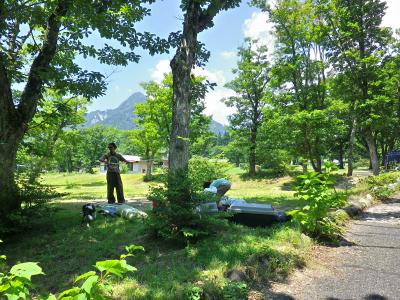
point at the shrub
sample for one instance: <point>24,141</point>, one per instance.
<point>277,161</point>
<point>33,198</point>
<point>203,169</point>
<point>317,190</point>
<point>384,185</point>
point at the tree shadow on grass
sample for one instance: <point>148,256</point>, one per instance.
<point>65,249</point>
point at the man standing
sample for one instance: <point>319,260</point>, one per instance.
<point>112,160</point>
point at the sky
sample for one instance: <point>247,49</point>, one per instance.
<point>222,40</point>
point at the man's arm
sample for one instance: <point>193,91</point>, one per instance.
<point>103,158</point>
<point>121,158</point>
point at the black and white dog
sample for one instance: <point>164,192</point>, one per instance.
<point>88,213</point>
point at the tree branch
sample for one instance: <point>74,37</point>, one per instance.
<point>207,15</point>
<point>41,64</point>
<point>7,110</point>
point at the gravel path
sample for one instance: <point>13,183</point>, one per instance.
<point>368,270</point>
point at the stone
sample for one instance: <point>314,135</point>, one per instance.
<point>236,275</point>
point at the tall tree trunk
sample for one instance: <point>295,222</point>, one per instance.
<point>252,153</point>
<point>14,119</point>
<point>319,164</point>
<point>9,199</point>
<point>181,66</point>
<point>351,146</point>
<point>372,151</point>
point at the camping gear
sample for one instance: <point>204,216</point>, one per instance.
<point>222,185</point>
<point>88,213</point>
<point>122,210</point>
<point>254,214</point>
<point>207,208</point>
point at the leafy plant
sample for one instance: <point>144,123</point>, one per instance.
<point>203,169</point>
<point>16,283</point>
<point>317,189</point>
<point>384,185</point>
<point>195,293</point>
<point>235,290</point>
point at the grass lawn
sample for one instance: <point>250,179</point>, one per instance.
<point>93,186</point>
<point>65,249</point>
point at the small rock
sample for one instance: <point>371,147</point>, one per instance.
<point>236,275</point>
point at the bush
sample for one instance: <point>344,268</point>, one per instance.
<point>179,221</point>
<point>33,198</point>
<point>277,161</point>
<point>203,169</point>
<point>317,189</point>
<point>384,185</point>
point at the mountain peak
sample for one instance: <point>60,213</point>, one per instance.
<point>123,117</point>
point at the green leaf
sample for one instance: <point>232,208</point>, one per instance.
<point>68,294</point>
<point>123,256</point>
<point>26,270</point>
<point>48,297</point>
<point>127,266</point>
<point>89,283</point>
<point>112,266</point>
<point>80,277</point>
<point>132,248</point>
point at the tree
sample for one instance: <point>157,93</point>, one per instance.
<point>299,77</point>
<point>39,43</point>
<point>357,46</point>
<point>55,113</point>
<point>251,87</point>
<point>198,16</point>
<point>149,143</point>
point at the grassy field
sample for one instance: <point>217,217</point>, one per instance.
<point>65,249</point>
<point>93,186</point>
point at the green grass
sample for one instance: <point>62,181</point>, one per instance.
<point>94,186</point>
<point>65,249</point>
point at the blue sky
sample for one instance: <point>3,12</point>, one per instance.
<point>231,27</point>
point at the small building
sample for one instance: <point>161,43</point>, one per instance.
<point>135,166</point>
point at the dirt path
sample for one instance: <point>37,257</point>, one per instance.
<point>368,270</point>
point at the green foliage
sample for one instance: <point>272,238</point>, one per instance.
<point>277,160</point>
<point>34,196</point>
<point>17,283</point>
<point>195,293</point>
<point>384,185</point>
<point>234,290</point>
<point>317,190</point>
<point>178,220</point>
<point>252,91</point>
<point>202,169</point>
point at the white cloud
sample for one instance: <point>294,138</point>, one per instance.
<point>213,76</point>
<point>391,18</point>
<point>228,54</point>
<point>216,108</point>
<point>258,27</point>
<point>161,68</point>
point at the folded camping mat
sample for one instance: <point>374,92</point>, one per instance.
<point>122,210</point>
